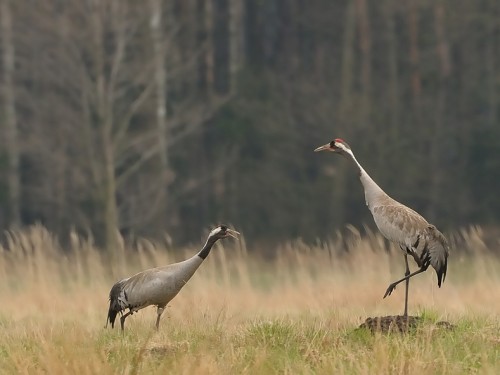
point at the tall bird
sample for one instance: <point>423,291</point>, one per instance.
<point>157,286</point>
<point>400,224</point>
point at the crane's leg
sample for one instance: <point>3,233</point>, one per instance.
<point>123,317</point>
<point>393,285</point>
<point>159,311</point>
<point>407,273</point>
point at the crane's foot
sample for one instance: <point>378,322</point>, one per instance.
<point>390,289</point>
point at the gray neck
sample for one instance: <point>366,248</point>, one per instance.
<point>373,193</point>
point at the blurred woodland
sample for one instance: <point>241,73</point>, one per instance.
<point>159,116</point>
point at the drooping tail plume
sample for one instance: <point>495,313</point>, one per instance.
<point>114,304</point>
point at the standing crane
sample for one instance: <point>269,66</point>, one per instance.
<point>401,225</point>
<point>157,286</point>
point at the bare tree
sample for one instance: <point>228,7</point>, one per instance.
<point>157,26</point>
<point>365,46</point>
<point>11,131</point>
<point>236,40</point>
<point>118,89</point>
<point>346,80</point>
<point>439,138</point>
<point>491,51</point>
<point>392,63</point>
<point>416,85</point>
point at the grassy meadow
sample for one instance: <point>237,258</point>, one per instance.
<point>294,313</point>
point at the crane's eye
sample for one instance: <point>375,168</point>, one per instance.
<point>332,144</point>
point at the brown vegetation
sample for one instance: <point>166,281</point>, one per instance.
<point>238,308</point>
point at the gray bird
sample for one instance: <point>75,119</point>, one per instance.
<point>157,286</point>
<point>401,225</point>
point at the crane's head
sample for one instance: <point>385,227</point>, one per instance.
<point>338,146</point>
<point>222,231</point>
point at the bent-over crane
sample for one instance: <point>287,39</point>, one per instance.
<point>400,224</point>
<point>157,286</point>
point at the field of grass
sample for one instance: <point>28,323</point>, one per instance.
<point>294,313</point>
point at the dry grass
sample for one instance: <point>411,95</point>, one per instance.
<point>296,313</point>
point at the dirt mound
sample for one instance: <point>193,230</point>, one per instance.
<point>397,323</point>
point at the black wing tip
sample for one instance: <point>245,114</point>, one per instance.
<point>441,274</point>
<point>439,281</point>
<point>114,306</point>
<point>112,316</point>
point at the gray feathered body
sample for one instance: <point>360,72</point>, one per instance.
<point>155,286</point>
<point>405,227</point>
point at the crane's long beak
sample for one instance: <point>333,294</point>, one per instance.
<point>323,148</point>
<point>232,233</point>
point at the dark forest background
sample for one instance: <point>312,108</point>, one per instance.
<point>156,117</point>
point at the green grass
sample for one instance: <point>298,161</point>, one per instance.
<point>303,344</point>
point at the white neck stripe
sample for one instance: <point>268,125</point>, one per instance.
<point>215,231</point>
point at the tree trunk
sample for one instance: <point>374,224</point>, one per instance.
<point>160,69</point>
<point>491,69</point>
<point>204,10</point>
<point>438,139</point>
<point>236,46</point>
<point>345,108</point>
<point>11,131</point>
<point>221,47</point>
<point>105,125</point>
<point>347,62</point>
<point>416,86</point>
<point>393,71</point>
<point>365,46</point>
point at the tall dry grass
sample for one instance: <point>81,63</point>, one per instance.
<point>54,304</point>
